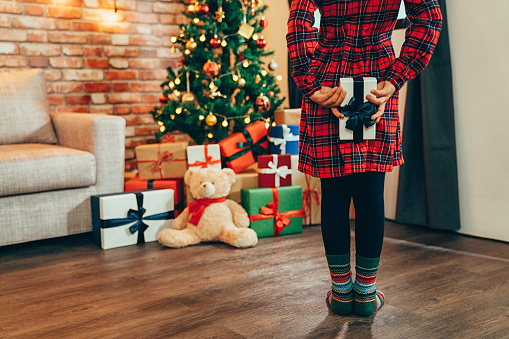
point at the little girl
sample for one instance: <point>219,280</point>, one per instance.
<point>354,41</point>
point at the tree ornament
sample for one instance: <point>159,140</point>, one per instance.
<point>241,83</point>
<point>191,45</point>
<point>261,42</point>
<point>262,103</point>
<point>188,97</point>
<point>264,22</point>
<point>191,9</point>
<point>211,68</point>
<point>203,9</point>
<point>215,41</point>
<point>182,61</point>
<point>258,78</point>
<point>271,93</point>
<point>163,99</point>
<point>211,119</point>
<point>272,65</point>
<point>219,13</point>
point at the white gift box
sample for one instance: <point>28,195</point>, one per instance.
<point>357,88</point>
<point>124,219</point>
<point>204,156</point>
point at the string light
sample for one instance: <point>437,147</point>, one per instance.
<point>173,39</point>
<point>273,123</point>
<point>201,117</point>
<point>177,81</point>
<point>223,43</point>
<point>255,36</point>
<point>162,128</point>
<point>279,77</point>
<point>247,120</point>
<point>210,135</point>
<point>114,16</point>
<point>264,72</point>
<point>160,123</point>
<point>196,20</point>
<point>178,110</point>
<point>203,38</point>
<point>235,77</point>
<point>245,64</point>
<point>225,123</point>
<point>171,84</point>
<point>172,116</point>
<point>187,52</point>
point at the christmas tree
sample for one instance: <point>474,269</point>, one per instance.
<point>222,84</point>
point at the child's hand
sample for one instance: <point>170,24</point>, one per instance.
<point>330,98</point>
<point>383,93</point>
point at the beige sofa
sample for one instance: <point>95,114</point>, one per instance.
<point>50,164</point>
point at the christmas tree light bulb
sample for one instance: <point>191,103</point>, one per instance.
<point>235,77</point>
<point>201,117</point>
<point>247,120</point>
<point>187,52</point>
<point>264,72</point>
<point>171,84</point>
<point>273,123</point>
<point>267,124</point>
<point>160,123</point>
<point>177,81</point>
<point>178,110</point>
<point>279,77</point>
<point>196,20</point>
<point>223,43</point>
<point>173,39</point>
<point>203,38</point>
<point>162,128</point>
<point>255,36</point>
<point>172,116</point>
<point>245,64</point>
<point>225,123</point>
<point>264,85</point>
<point>210,135</point>
<point>177,93</point>
<point>190,8</point>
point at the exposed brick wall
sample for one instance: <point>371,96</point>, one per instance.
<point>93,64</point>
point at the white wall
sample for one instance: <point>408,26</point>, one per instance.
<point>479,38</point>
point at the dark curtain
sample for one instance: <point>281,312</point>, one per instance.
<point>428,182</point>
<point>295,96</point>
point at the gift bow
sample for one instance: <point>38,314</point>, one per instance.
<point>287,136</point>
<point>256,148</point>
<point>358,113</point>
<point>208,160</point>
<point>281,220</point>
<point>281,171</point>
<point>166,156</point>
<point>137,216</point>
<point>308,195</point>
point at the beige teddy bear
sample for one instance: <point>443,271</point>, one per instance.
<point>211,217</point>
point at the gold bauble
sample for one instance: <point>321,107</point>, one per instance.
<point>211,119</point>
<point>188,98</point>
<point>242,82</point>
<point>191,45</point>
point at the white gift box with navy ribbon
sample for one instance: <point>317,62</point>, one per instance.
<point>130,218</point>
<point>357,124</point>
<point>284,139</point>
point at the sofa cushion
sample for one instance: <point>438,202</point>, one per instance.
<point>24,110</point>
<point>29,168</point>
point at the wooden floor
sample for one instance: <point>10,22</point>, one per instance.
<point>438,285</point>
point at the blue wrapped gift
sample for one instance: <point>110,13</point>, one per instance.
<point>284,139</point>
<point>130,218</point>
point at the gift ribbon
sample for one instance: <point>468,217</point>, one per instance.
<point>287,137</point>
<point>308,195</point>
<point>208,160</point>
<point>279,172</point>
<point>197,208</point>
<point>281,220</point>
<point>166,156</point>
<point>137,216</point>
<point>168,138</point>
<point>358,111</point>
<point>248,146</point>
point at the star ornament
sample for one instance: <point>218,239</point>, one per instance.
<point>220,15</point>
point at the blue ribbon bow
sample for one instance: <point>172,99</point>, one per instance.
<point>137,217</point>
<point>358,113</point>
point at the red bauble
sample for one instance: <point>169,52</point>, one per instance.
<point>182,61</point>
<point>211,68</point>
<point>215,41</point>
<point>271,93</point>
<point>163,99</point>
<point>241,57</point>
<point>203,9</point>
<point>264,22</point>
<point>261,42</point>
<point>262,103</point>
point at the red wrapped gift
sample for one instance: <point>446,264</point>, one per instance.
<point>177,185</point>
<point>241,149</point>
<point>274,170</point>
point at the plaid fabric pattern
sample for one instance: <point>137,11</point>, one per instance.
<point>355,41</point>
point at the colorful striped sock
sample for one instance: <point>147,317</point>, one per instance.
<point>340,296</point>
<point>366,298</point>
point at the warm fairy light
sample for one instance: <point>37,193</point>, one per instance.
<point>203,38</point>
<point>172,49</point>
<point>210,135</point>
<point>187,52</point>
<point>212,85</point>
<point>196,20</point>
<point>264,85</point>
<point>178,110</point>
<point>255,36</point>
<point>267,124</point>
<point>264,72</point>
<point>273,123</point>
<point>172,116</point>
<point>225,123</point>
<point>160,123</point>
<point>247,120</point>
<point>177,81</point>
<point>171,84</point>
<point>162,128</point>
<point>201,117</point>
<point>245,64</point>
<point>190,8</point>
<point>177,93</point>
<point>223,43</point>
<point>279,77</point>
<point>173,39</point>
<point>235,77</point>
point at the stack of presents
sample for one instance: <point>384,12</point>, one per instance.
<point>277,197</point>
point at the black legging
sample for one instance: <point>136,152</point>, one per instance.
<point>367,190</point>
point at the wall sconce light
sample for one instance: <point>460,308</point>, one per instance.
<point>115,16</point>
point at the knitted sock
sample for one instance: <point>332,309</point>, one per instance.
<point>340,296</point>
<point>366,299</point>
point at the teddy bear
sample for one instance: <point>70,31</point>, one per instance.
<point>211,217</point>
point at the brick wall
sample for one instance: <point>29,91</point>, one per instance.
<point>93,64</point>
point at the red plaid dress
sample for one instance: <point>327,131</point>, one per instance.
<point>355,41</point>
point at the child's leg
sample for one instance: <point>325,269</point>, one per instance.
<point>368,196</point>
<point>336,196</point>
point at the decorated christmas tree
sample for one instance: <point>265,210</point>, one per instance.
<point>223,82</point>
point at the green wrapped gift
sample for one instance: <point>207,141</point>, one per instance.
<point>273,211</point>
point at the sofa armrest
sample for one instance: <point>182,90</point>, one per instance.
<point>102,135</point>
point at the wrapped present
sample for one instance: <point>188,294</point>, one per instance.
<point>241,149</point>
<point>287,117</point>
<point>246,179</point>
<point>124,219</point>
<point>284,139</point>
<point>162,161</point>
<point>311,194</point>
<point>204,156</point>
<point>176,137</point>
<point>357,124</point>
<point>274,211</point>
<point>177,185</point>
<point>274,170</point>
